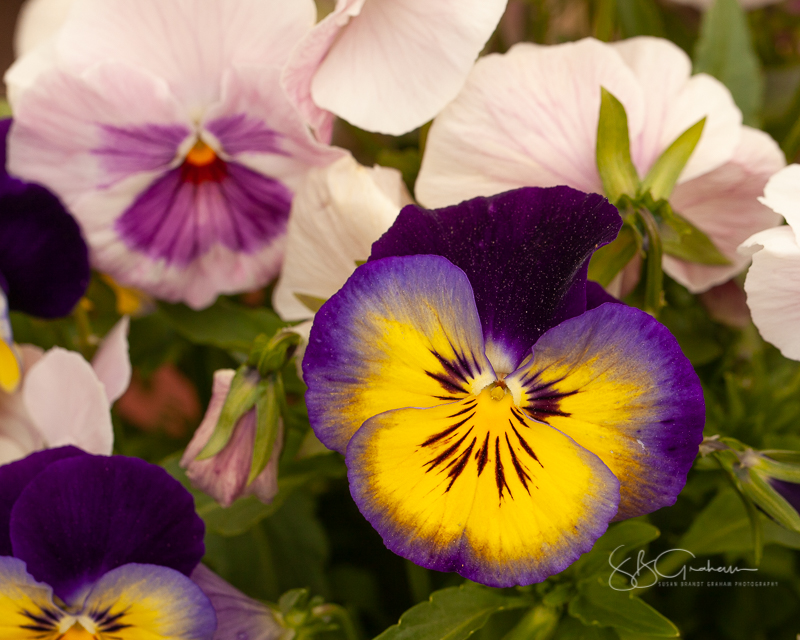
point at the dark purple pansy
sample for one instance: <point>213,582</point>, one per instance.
<point>74,517</point>
<point>44,262</point>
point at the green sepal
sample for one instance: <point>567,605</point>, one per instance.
<point>653,270</point>
<point>268,422</point>
<point>312,303</point>
<point>681,239</point>
<point>609,260</point>
<point>270,354</point>
<point>661,179</point>
<point>757,489</point>
<point>537,624</point>
<point>781,465</point>
<point>613,151</point>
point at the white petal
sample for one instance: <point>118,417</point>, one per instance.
<point>38,21</point>
<point>674,102</point>
<point>773,288</point>
<point>18,435</point>
<point>336,216</point>
<point>528,118</point>
<point>724,205</point>
<point>397,63</point>
<point>306,58</point>
<point>782,195</point>
<point>189,44</point>
<point>67,402</point>
<point>111,362</point>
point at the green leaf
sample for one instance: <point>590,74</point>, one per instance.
<point>598,604</point>
<point>452,614</point>
<point>640,18</point>
<point>629,535</point>
<point>538,624</point>
<point>681,239</point>
<point>312,303</point>
<point>725,50</point>
<point>609,260</point>
<point>773,504</point>
<point>613,150</point>
<point>663,175</point>
<point>268,415</point>
<point>574,629</point>
<point>225,324</point>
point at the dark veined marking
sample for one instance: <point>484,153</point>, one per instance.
<point>482,456</point>
<point>450,368</point>
<point>523,477</point>
<point>107,623</point>
<point>461,464</point>
<point>443,434</point>
<point>519,418</point>
<point>46,621</point>
<point>525,445</point>
<point>435,462</point>
<point>499,472</point>
<point>468,407</point>
<point>447,384</point>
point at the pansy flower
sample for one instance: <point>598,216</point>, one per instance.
<point>98,547</point>
<point>530,118</point>
<point>494,418</point>
<point>163,126</point>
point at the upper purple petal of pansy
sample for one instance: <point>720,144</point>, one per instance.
<point>789,490</point>
<point>240,133</point>
<point>188,210</point>
<point>129,150</point>
<point>525,253</point>
<point>596,295</point>
<point>15,476</point>
<point>44,261</point>
<point>82,517</point>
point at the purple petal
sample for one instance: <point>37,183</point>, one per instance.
<point>15,476</point>
<point>790,492</point>
<point>82,517</point>
<point>238,617</point>
<point>239,134</point>
<point>616,382</point>
<point>524,252</point>
<point>188,210</point>
<point>596,295</point>
<point>148,147</point>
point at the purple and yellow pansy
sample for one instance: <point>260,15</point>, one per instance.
<point>44,262</point>
<point>98,548</point>
<point>496,409</point>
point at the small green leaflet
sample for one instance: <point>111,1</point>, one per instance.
<point>613,150</point>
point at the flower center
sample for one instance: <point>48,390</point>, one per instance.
<point>200,154</point>
<point>77,632</point>
<point>202,164</point>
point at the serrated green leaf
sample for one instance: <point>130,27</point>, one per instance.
<point>661,179</point>
<point>725,50</point>
<point>225,324</point>
<point>598,604</point>
<point>681,239</point>
<point>609,260</point>
<point>452,614</point>
<point>613,151</point>
<point>312,303</point>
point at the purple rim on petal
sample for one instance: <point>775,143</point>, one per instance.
<point>15,476</point>
<point>190,209</point>
<point>82,517</point>
<point>44,260</point>
<point>525,253</point>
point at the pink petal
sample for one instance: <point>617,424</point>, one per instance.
<point>724,204</point>
<point>773,288</point>
<point>111,362</point>
<point>528,118</point>
<point>265,485</point>
<point>674,101</point>
<point>219,391</point>
<point>397,63</point>
<point>68,403</point>
<point>238,617</point>
<point>38,21</point>
<point>782,195</point>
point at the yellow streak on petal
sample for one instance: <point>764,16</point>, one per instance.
<point>10,371</point>
<point>77,632</point>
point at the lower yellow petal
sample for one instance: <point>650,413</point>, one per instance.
<point>479,488</point>
<point>10,372</point>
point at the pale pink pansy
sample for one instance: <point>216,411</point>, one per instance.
<point>224,476</point>
<point>64,400</point>
<point>388,65</point>
<point>747,5</point>
<point>165,130</point>
<point>529,118</point>
<point>773,281</point>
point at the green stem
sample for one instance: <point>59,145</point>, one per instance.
<point>85,333</point>
<point>419,582</point>
<point>654,274</point>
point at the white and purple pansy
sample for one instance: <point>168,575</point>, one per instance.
<point>165,130</point>
<point>98,547</point>
<point>495,409</point>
